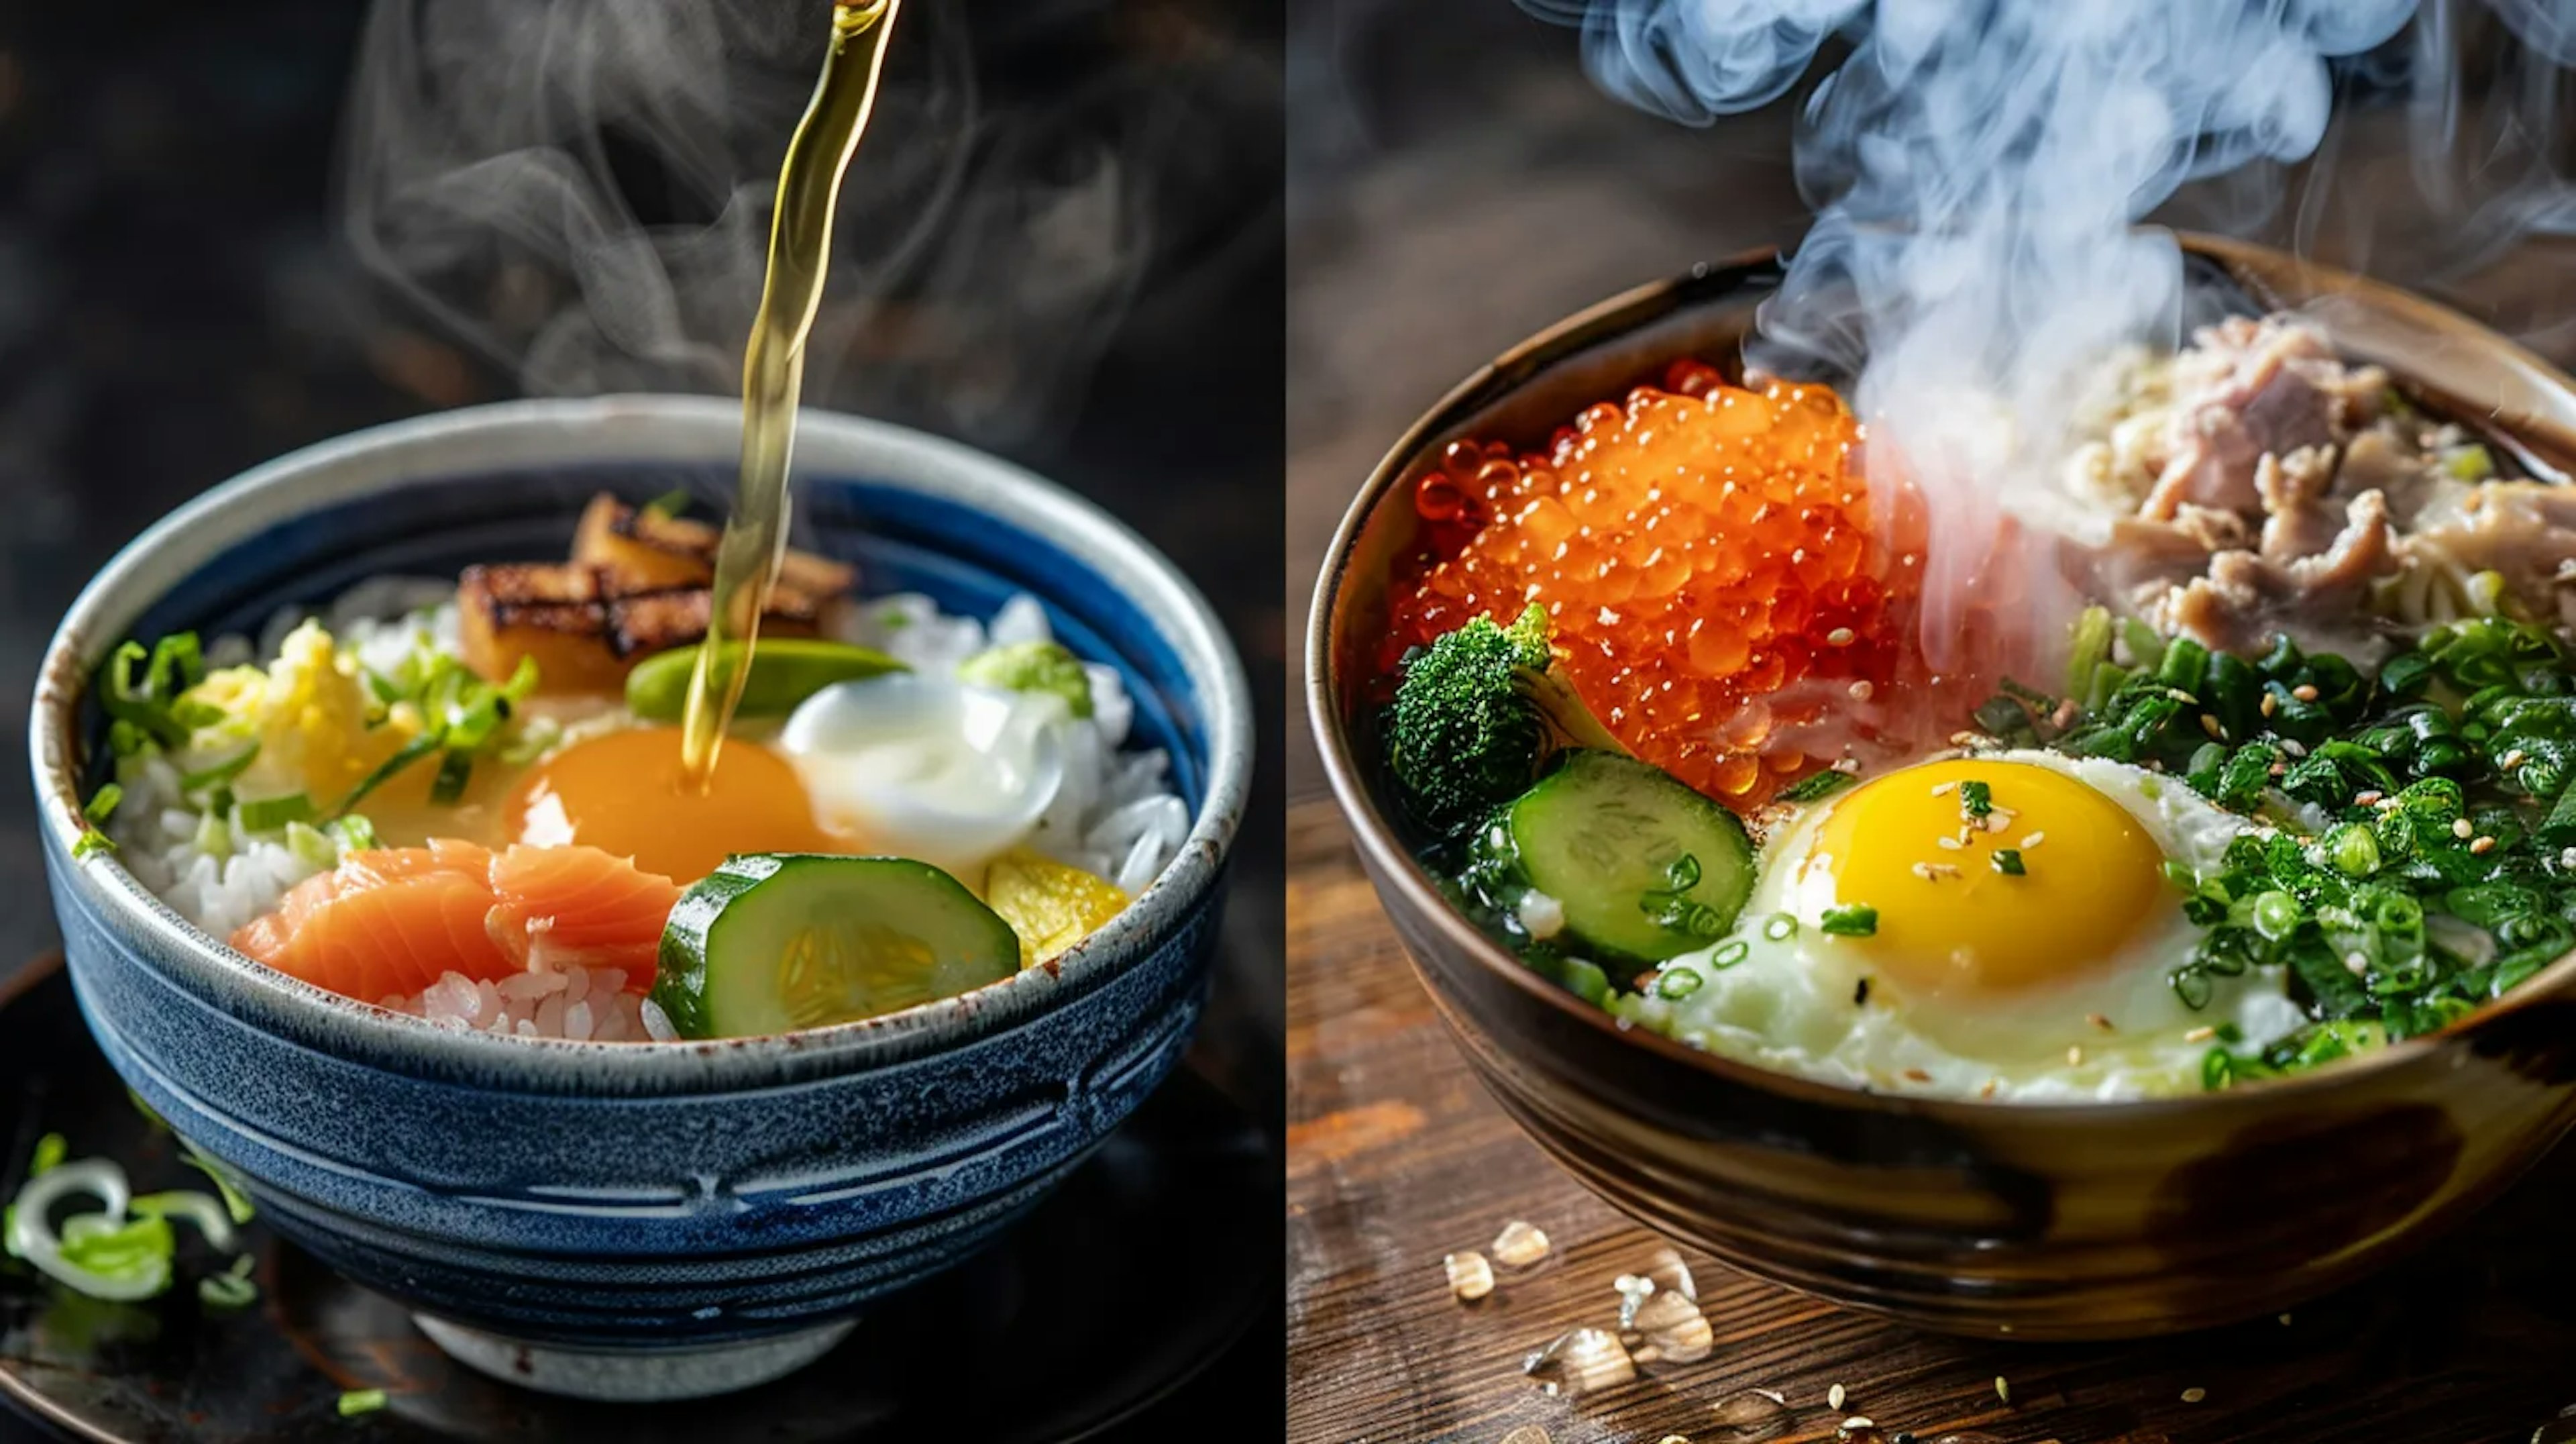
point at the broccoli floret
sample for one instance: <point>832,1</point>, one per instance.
<point>1477,712</point>
<point>1031,667</point>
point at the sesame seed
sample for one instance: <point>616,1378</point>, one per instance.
<point>2481,846</point>
<point>2304,692</point>
<point>1856,1424</point>
<point>1923,870</point>
<point>2367,799</point>
<point>2210,725</point>
<point>2003,1389</point>
<point>1841,637</point>
<point>2511,759</point>
<point>1944,789</point>
<point>2075,1055</point>
<point>1861,690</point>
<point>2201,1034</point>
<point>2033,839</point>
<point>1834,1397</point>
<point>2194,1396</point>
<point>1848,767</point>
<point>1919,1076</point>
<point>2461,827</point>
<point>1950,843</point>
<point>2098,1021</point>
<point>2271,704</point>
<point>2180,695</point>
<point>2355,964</point>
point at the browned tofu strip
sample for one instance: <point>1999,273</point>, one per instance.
<point>586,629</point>
<point>646,551</point>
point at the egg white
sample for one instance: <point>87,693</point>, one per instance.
<point>1796,1002</point>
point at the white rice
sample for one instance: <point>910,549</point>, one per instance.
<point>1115,816</point>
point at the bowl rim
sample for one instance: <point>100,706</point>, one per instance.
<point>1395,868</point>
<point>641,427</point>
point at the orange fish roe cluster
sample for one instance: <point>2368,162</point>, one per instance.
<point>1707,555</point>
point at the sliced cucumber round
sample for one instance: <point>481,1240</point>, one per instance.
<point>1644,867</point>
<point>768,943</point>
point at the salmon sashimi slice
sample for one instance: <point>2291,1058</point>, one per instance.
<point>389,922</point>
<point>579,906</point>
<point>374,930</point>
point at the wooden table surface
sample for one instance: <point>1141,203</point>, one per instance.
<point>1397,1157</point>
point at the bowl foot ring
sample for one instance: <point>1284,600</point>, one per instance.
<point>642,1375</point>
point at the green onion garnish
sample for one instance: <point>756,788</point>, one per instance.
<point>670,503</point>
<point>1856,921</point>
<point>361,1401</point>
<point>1677,983</point>
<point>268,814</point>
<point>1976,800</point>
<point>222,772</point>
<point>2007,860</point>
<point>50,1152</point>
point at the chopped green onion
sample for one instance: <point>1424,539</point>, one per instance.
<point>1817,787</point>
<point>309,845</point>
<point>670,503</point>
<point>1856,921</point>
<point>50,1152</point>
<point>222,772</point>
<point>268,814</point>
<point>235,1205</point>
<point>1730,953</point>
<point>2354,850</point>
<point>361,1401</point>
<point>1779,927</point>
<point>411,752</point>
<point>2007,860</point>
<point>454,771</point>
<point>102,804</point>
<point>353,833</point>
<point>2470,463</point>
<point>231,1289</point>
<point>1677,983</point>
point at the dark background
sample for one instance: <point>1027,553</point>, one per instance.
<point>175,305</point>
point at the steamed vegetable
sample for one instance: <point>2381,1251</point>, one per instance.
<point>1477,713</point>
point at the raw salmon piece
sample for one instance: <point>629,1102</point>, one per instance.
<point>382,924</point>
<point>579,906</point>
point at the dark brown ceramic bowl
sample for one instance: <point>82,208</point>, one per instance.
<point>2040,1221</point>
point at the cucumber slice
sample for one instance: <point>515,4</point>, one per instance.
<point>772,942</point>
<point>1644,867</point>
<point>784,672</point>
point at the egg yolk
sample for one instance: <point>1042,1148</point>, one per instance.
<point>1951,917</point>
<point>624,793</point>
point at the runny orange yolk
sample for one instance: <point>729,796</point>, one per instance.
<point>1949,920</point>
<point>623,793</point>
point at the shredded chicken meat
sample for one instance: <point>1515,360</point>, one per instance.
<point>2258,485</point>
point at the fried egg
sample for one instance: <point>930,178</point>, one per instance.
<point>2047,982</point>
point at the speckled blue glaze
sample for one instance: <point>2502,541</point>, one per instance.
<point>610,1196</point>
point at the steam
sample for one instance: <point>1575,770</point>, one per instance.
<point>581,190</point>
<point>1977,170</point>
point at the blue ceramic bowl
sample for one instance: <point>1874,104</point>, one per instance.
<point>622,1220</point>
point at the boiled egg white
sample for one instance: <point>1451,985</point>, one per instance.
<point>914,764</point>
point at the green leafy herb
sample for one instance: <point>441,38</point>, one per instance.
<point>2007,860</point>
<point>1855,921</point>
<point>1976,800</point>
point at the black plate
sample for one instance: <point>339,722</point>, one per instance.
<point>1133,1276</point>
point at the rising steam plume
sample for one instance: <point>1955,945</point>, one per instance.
<point>1977,169</point>
<point>581,190</point>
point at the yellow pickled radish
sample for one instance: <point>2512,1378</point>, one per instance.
<point>1052,906</point>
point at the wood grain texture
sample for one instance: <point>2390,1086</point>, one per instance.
<point>1397,1158</point>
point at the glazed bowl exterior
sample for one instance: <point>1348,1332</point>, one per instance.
<point>609,1196</point>
<point>2038,1221</point>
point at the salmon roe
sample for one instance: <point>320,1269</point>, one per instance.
<point>1707,556</point>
